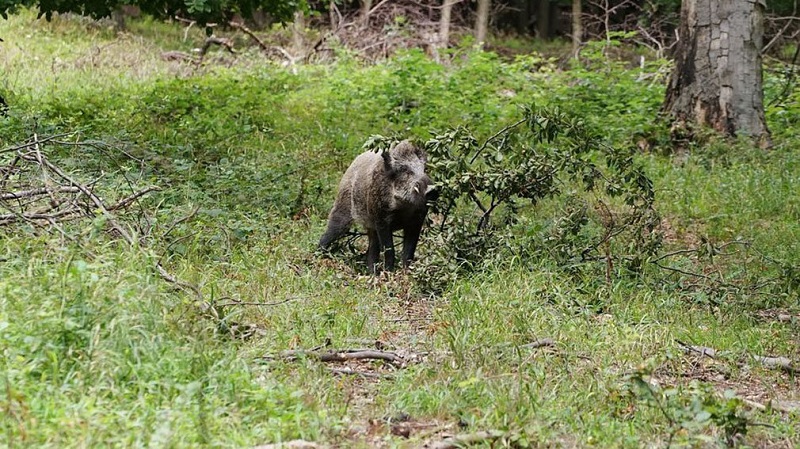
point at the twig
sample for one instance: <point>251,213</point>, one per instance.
<point>251,34</point>
<point>469,439</point>
<point>125,202</point>
<point>35,192</point>
<point>50,218</point>
<point>494,136</point>
<point>97,201</point>
<point>33,143</point>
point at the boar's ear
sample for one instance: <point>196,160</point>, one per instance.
<point>420,152</point>
<point>387,160</point>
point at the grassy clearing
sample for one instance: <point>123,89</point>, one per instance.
<point>98,351</point>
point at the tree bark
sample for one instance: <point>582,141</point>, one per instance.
<point>366,7</point>
<point>332,15</point>
<point>298,33</point>
<point>717,78</point>
<point>444,23</point>
<point>543,19</point>
<point>577,27</point>
<point>482,21</point>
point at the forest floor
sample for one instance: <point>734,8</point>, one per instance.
<point>244,152</point>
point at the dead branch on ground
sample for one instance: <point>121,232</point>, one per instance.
<point>294,444</point>
<point>38,192</point>
<point>342,355</point>
<point>213,40</point>
<point>469,439</point>
<point>544,342</point>
<point>782,363</point>
<point>352,372</point>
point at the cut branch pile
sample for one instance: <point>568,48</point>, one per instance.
<point>34,190</point>
<point>37,192</point>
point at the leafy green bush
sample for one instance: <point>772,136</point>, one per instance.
<point>544,154</point>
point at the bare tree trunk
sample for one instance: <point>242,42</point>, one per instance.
<point>332,14</point>
<point>577,27</point>
<point>543,19</point>
<point>298,33</point>
<point>717,77</point>
<point>444,23</point>
<point>482,21</point>
<point>366,7</point>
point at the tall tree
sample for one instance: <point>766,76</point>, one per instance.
<point>717,76</point>
<point>577,27</point>
<point>444,23</point>
<point>366,7</point>
<point>482,21</point>
<point>543,19</point>
<point>298,33</point>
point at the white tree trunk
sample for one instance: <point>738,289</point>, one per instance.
<point>366,7</point>
<point>717,77</point>
<point>444,23</point>
<point>577,27</point>
<point>298,33</point>
<point>482,21</point>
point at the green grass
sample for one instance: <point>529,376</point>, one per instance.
<point>97,350</point>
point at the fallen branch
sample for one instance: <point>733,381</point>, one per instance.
<point>469,439</point>
<point>221,41</point>
<point>782,363</point>
<point>36,192</point>
<point>352,372</point>
<point>780,406</point>
<point>544,342</point>
<point>234,302</point>
<point>344,355</point>
<point>125,202</point>
<point>251,34</point>
<point>62,197</point>
<point>294,444</point>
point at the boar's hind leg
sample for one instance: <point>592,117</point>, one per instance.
<point>410,238</point>
<point>338,224</point>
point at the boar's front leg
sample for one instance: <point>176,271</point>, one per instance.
<point>411,234</point>
<point>386,245</point>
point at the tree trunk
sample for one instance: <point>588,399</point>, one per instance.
<point>366,7</point>
<point>577,27</point>
<point>444,23</point>
<point>717,76</point>
<point>298,33</point>
<point>482,21</point>
<point>543,20</point>
<point>332,15</point>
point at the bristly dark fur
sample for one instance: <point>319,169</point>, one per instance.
<point>383,193</point>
